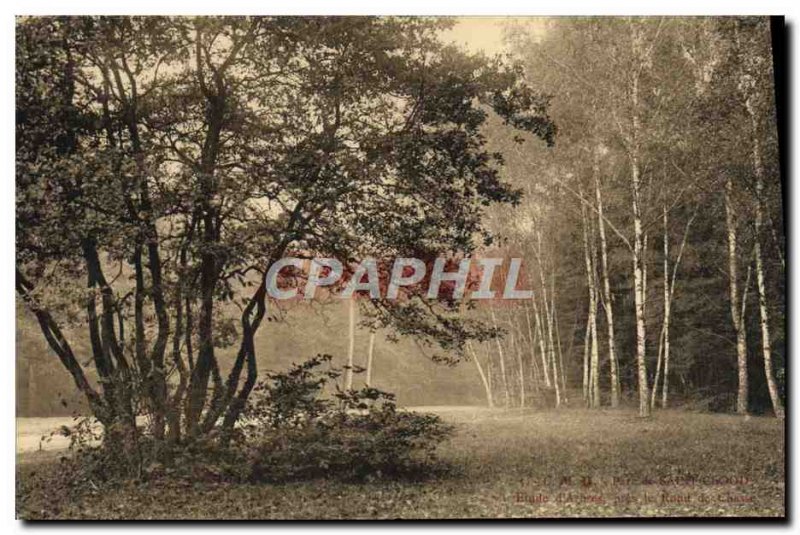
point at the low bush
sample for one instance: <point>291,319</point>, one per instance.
<point>295,432</point>
<point>297,425</point>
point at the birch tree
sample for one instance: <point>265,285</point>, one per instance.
<point>758,171</point>
<point>608,301</point>
<point>591,359</point>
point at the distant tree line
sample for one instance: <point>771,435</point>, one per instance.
<point>654,229</point>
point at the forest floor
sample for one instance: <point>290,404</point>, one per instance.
<point>507,464</point>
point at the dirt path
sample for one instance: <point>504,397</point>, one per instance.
<point>41,434</point>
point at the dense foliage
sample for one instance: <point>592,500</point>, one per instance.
<point>294,428</point>
<point>354,435</point>
<point>163,163</point>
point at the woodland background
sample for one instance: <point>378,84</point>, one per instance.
<point>701,138</point>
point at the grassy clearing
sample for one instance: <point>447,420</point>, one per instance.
<point>507,464</point>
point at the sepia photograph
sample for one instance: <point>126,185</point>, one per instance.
<point>400,267</point>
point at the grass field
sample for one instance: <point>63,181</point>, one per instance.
<point>508,464</point>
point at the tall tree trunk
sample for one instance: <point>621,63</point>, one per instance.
<point>206,359</point>
<point>351,343</point>
<point>608,304</point>
<point>62,348</point>
<point>486,386</point>
<point>540,336</point>
<point>663,340</point>
<point>553,362</point>
<point>516,343</point>
<point>657,376</point>
<point>560,354</point>
<point>733,290</point>
<point>489,376</point>
<point>594,371</point>
<point>670,283</point>
<point>592,377</point>
<point>640,295</point>
<point>173,411</point>
<point>766,345</point>
<point>532,342</point>
<point>587,335</point>
<point>594,361</point>
<point>766,342</point>
<point>502,361</point>
<point>521,378</point>
<point>548,317</point>
<point>370,352</point>
<point>667,312</point>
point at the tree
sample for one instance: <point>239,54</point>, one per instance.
<point>754,86</point>
<point>651,115</point>
<point>186,155</point>
<point>738,83</point>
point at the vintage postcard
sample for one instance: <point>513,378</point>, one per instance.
<point>400,267</point>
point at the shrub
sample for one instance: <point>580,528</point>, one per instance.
<point>294,432</point>
<point>290,430</point>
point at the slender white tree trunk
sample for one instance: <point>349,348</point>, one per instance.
<point>591,375</point>
<point>645,280</point>
<point>351,347</point>
<point>668,289</point>
<point>548,318</point>
<point>766,346</point>
<point>517,351</point>
<point>556,379</point>
<point>370,352</point>
<point>502,361</point>
<point>532,340</point>
<point>540,335</point>
<point>586,351</point>
<point>663,344</point>
<point>489,375</point>
<point>639,300</point>
<point>551,348</point>
<point>565,397</point>
<point>669,293</point>
<point>640,295</point>
<point>733,291</point>
<point>657,376</point>
<point>608,304</point>
<point>766,343</point>
<point>486,386</point>
<point>665,387</point>
<point>594,370</point>
<point>778,243</point>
